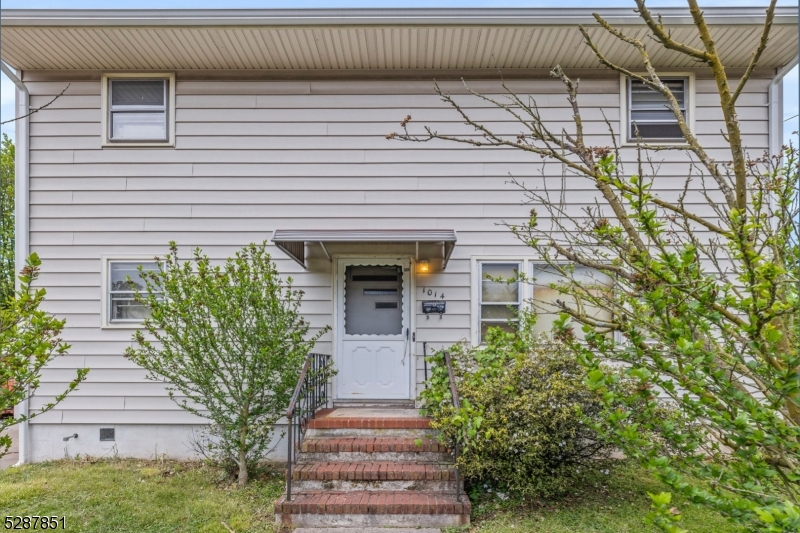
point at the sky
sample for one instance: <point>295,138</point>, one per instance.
<point>791,91</point>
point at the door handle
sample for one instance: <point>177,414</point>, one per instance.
<point>405,349</point>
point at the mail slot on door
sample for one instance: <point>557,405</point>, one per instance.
<point>434,307</point>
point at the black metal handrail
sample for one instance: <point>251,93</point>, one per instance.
<point>457,405</point>
<point>310,395</point>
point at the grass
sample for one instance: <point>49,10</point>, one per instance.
<point>167,496</point>
<point>140,496</point>
<point>618,505</point>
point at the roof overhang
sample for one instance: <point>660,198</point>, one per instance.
<point>293,242</point>
<point>355,40</point>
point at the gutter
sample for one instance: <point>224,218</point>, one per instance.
<point>21,210</point>
<point>377,17</point>
<point>776,107</point>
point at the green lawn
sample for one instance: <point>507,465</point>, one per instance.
<point>164,497</point>
<point>139,496</point>
<point>618,504</point>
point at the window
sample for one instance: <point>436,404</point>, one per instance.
<point>120,307</point>
<point>138,109</point>
<point>499,296</point>
<point>649,112</point>
<point>545,295</point>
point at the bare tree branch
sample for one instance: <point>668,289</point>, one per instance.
<point>36,110</point>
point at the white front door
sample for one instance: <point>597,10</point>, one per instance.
<point>373,304</point>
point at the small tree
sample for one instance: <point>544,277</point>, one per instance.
<point>29,339</point>
<point>6,220</point>
<point>704,309</point>
<point>230,341</point>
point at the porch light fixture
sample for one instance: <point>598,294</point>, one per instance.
<point>423,266</point>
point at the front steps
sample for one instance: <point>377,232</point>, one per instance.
<point>373,467</point>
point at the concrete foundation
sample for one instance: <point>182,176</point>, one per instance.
<point>142,441</point>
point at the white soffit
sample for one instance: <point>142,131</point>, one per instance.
<point>368,39</point>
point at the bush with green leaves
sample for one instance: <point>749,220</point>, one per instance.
<point>229,342</point>
<point>30,338</point>
<point>7,155</point>
<point>522,425</point>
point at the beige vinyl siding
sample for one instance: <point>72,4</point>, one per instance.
<point>255,156</point>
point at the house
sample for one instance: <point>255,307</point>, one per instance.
<point>217,128</point>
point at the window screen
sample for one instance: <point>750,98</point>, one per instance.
<point>138,110</point>
<point>122,307</point>
<point>650,112</point>
<point>500,297</point>
<point>373,296</point>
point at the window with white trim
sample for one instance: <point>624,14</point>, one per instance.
<point>138,109</point>
<point>650,114</point>
<point>499,296</point>
<point>123,280</point>
<point>545,282</point>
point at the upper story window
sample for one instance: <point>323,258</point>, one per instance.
<point>499,297</point>
<point>650,114</point>
<point>139,110</point>
<point>123,280</point>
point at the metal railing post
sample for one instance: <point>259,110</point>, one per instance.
<point>289,460</point>
<point>457,405</point>
<point>307,398</point>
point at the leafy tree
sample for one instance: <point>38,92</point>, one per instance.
<point>704,308</point>
<point>29,339</point>
<point>6,219</point>
<point>230,341</point>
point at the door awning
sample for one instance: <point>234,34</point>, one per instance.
<point>293,241</point>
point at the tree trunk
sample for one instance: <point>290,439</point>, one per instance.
<point>243,420</point>
<point>242,466</point>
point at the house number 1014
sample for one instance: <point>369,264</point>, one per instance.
<point>431,292</point>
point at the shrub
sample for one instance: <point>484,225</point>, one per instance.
<point>522,425</point>
<point>30,339</point>
<point>231,340</point>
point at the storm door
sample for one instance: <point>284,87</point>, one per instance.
<point>373,356</point>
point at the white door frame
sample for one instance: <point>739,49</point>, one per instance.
<point>340,262</point>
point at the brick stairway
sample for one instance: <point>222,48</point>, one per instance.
<point>372,467</point>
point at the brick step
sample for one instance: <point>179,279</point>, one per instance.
<point>378,476</point>
<point>369,509</point>
<point>372,444</point>
<point>371,449</point>
<point>362,419</point>
<point>370,432</point>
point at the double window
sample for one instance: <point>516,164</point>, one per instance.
<point>138,110</point>
<point>649,113</point>
<point>501,294</point>
<point>122,280</point>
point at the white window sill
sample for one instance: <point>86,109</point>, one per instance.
<point>139,145</point>
<point>131,325</point>
<point>676,144</point>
